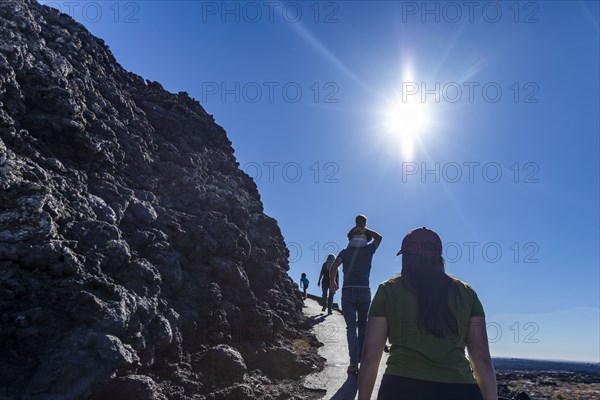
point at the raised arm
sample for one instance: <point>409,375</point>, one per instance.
<point>375,337</point>
<point>332,275</point>
<point>479,354</point>
<point>376,236</point>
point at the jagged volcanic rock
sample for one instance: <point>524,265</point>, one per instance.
<point>135,257</point>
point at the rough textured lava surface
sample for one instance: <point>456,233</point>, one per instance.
<point>135,258</point>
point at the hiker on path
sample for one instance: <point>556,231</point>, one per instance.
<point>304,282</point>
<point>356,293</point>
<point>324,278</point>
<point>429,318</point>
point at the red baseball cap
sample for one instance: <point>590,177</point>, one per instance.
<point>421,241</point>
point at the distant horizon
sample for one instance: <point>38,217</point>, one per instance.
<point>545,360</point>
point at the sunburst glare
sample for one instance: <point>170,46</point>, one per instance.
<point>405,122</point>
<point>405,117</point>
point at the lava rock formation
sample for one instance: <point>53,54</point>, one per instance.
<point>135,257</point>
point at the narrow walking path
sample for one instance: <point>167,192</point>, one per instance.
<point>331,331</point>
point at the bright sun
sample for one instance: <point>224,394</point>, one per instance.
<point>405,122</point>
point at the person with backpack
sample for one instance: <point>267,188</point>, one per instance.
<point>324,279</point>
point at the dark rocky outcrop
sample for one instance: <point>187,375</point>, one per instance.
<point>135,257</point>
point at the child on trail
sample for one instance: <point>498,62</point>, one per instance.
<point>304,282</point>
<point>358,236</point>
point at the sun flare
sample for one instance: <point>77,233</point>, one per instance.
<point>405,122</point>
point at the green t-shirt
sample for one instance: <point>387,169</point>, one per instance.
<point>416,354</point>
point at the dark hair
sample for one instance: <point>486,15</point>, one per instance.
<point>361,219</point>
<point>303,275</point>
<point>427,277</point>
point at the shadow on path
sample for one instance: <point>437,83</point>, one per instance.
<point>313,320</point>
<point>348,389</point>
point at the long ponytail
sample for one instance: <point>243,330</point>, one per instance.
<point>434,288</point>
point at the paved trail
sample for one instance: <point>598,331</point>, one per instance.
<point>331,331</point>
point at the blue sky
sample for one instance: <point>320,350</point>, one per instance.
<point>496,147</point>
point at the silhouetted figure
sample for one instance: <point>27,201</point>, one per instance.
<point>356,293</point>
<point>429,318</point>
<point>304,282</point>
<point>324,278</point>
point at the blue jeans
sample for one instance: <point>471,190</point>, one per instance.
<point>355,307</point>
<point>327,300</point>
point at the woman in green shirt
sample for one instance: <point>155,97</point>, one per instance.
<point>429,318</point>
